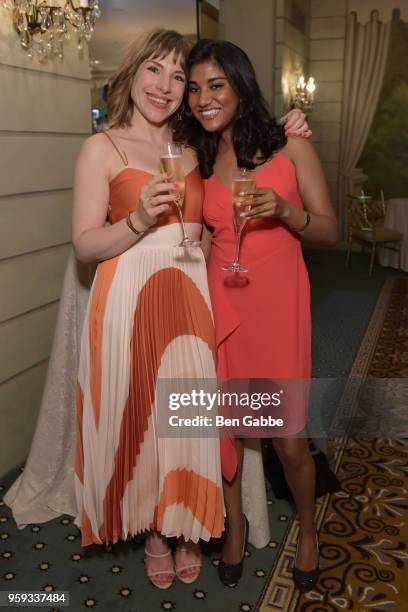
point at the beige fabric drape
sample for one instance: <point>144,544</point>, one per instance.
<point>365,60</point>
<point>385,8</point>
<point>45,489</point>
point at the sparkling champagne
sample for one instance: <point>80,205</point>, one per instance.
<point>175,165</point>
<point>238,185</point>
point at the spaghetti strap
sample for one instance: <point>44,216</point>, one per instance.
<point>121,154</point>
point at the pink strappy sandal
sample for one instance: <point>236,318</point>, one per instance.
<point>160,584</point>
<point>183,572</point>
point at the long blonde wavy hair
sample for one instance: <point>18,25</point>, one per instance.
<point>155,44</point>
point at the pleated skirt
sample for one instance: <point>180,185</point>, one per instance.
<point>148,318</point>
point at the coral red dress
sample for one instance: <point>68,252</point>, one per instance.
<point>263,328</point>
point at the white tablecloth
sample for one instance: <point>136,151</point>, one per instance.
<point>396,217</point>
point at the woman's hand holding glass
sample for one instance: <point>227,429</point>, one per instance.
<point>265,202</point>
<point>172,162</point>
<point>155,199</point>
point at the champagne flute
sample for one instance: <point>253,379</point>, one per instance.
<point>171,160</point>
<point>242,180</point>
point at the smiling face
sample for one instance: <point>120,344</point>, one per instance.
<point>158,87</point>
<point>211,98</point>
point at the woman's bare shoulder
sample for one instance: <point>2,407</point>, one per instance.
<point>97,153</point>
<point>96,157</point>
<point>97,145</point>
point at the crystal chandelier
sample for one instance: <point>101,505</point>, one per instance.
<point>44,25</point>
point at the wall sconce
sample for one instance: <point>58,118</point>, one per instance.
<point>304,96</point>
<point>43,25</point>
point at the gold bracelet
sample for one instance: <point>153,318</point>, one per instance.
<point>132,227</point>
<point>302,229</point>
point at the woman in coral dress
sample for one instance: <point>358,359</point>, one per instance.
<point>262,317</point>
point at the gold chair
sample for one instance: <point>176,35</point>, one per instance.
<point>365,221</point>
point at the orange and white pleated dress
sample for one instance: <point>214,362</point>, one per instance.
<point>149,317</point>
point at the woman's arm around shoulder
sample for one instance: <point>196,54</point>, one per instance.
<point>317,223</point>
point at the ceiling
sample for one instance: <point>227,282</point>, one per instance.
<point>122,20</point>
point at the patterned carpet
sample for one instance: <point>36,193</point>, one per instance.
<point>364,527</point>
<point>49,557</point>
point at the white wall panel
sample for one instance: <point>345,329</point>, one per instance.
<point>328,70</point>
<point>37,162</point>
<point>325,132</point>
<point>327,49</point>
<point>327,27</point>
<point>329,91</point>
<point>34,221</point>
<point>19,401</point>
<point>328,8</point>
<point>295,40</point>
<point>328,111</point>
<point>30,281</point>
<point>26,340</point>
<point>40,101</point>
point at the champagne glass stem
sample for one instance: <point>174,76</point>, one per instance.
<point>235,266</point>
<point>180,213</point>
<point>238,247</point>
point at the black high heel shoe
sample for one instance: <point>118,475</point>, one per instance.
<point>306,581</point>
<point>229,574</point>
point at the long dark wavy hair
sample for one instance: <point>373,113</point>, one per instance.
<point>255,133</point>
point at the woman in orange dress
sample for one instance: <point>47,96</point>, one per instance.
<point>148,318</point>
<point>263,321</point>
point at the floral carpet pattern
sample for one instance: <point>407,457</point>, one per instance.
<point>363,527</point>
